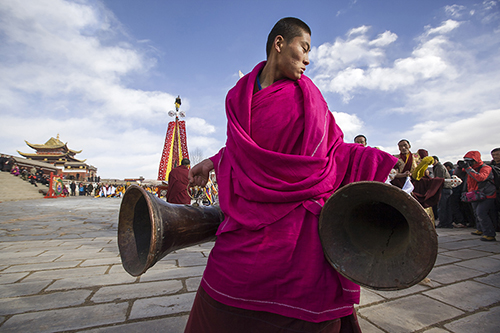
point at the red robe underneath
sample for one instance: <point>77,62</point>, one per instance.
<point>177,186</point>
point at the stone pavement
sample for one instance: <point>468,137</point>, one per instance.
<point>60,271</point>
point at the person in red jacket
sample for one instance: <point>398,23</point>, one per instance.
<point>480,177</point>
<point>177,184</point>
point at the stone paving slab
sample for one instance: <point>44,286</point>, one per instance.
<point>460,244</point>
<point>66,319</point>
<point>496,256</point>
<point>70,272</point>
<point>160,267</point>
<point>84,254</point>
<point>94,281</point>
<point>165,263</point>
<point>117,269</point>
<point>486,265</point>
<point>102,261</point>
<point>467,296</point>
<point>492,280</point>
<point>404,292</point>
<point>489,247</point>
<point>436,330</point>
<point>465,254</point>
<point>44,257</point>
<point>160,306</point>
<point>137,290</point>
<point>9,252</point>
<point>193,261</point>
<point>55,300</point>
<point>367,327</point>
<point>22,288</point>
<point>41,266</point>
<point>60,270</point>
<point>11,277</point>
<point>452,273</point>
<point>484,322</point>
<point>443,259</point>
<point>409,314</point>
<point>181,272</point>
<point>192,284</point>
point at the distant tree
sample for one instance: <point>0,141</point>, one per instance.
<point>196,156</point>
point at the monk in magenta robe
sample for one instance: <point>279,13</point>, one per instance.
<point>178,184</point>
<point>284,157</point>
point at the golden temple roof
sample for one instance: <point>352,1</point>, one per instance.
<point>52,143</point>
<point>50,156</point>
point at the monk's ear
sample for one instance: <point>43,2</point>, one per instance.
<point>278,43</point>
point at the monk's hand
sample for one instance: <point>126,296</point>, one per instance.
<point>198,175</point>
<point>403,174</point>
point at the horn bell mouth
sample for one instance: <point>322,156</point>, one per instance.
<point>136,231</point>
<point>377,236</point>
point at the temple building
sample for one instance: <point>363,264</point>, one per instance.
<point>57,153</point>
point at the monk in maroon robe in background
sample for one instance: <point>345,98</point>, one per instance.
<point>427,190</point>
<point>178,183</point>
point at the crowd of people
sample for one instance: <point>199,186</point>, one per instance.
<point>457,195</point>
<point>104,190</point>
<point>33,175</point>
<point>92,187</point>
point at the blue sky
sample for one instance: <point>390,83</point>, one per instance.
<point>104,74</point>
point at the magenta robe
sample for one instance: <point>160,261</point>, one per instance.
<point>284,157</point>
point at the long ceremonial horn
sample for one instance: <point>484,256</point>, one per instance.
<point>377,236</point>
<point>372,233</point>
<point>150,228</point>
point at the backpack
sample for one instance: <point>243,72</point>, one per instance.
<point>495,169</point>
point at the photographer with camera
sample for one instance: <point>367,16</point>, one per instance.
<point>480,192</point>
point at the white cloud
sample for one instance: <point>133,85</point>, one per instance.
<point>199,126</point>
<point>359,30</point>
<point>445,28</point>
<point>384,39</point>
<point>490,4</point>
<point>198,136</point>
<point>350,124</point>
<point>455,11</point>
<point>208,145</point>
<point>357,50</point>
<point>452,138</point>
<point>57,50</point>
<point>444,92</point>
<point>358,63</point>
<point>66,68</point>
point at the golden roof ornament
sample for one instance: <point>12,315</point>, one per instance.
<point>177,113</point>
